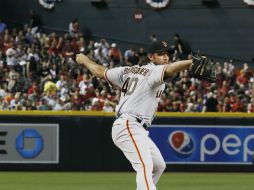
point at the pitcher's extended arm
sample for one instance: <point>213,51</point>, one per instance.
<point>96,69</point>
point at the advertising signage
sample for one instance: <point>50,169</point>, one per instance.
<point>204,144</point>
<point>29,143</point>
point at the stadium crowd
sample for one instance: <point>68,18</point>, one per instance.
<point>38,72</point>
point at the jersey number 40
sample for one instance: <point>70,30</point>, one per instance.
<point>129,86</point>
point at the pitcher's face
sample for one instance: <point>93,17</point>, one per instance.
<point>161,58</point>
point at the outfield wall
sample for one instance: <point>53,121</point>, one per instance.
<point>81,141</point>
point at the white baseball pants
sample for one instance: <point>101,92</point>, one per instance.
<point>140,150</point>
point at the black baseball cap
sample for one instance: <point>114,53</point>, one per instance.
<point>160,46</point>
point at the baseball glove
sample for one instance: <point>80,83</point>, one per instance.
<point>202,68</point>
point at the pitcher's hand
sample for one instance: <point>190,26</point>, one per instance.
<point>82,59</point>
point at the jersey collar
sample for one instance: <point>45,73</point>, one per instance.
<point>151,63</point>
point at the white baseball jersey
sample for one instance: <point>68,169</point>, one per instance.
<point>141,88</point>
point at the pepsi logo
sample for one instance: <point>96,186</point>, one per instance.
<point>182,143</point>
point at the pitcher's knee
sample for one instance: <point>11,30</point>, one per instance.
<point>160,167</point>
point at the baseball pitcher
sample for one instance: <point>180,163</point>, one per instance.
<point>141,87</point>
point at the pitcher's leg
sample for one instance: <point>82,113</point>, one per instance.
<point>134,145</point>
<point>158,162</point>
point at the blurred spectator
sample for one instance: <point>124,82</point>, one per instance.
<point>115,55</point>
<point>105,46</point>
<point>54,72</point>
<point>141,54</point>
<point>44,72</point>
<point>81,45</point>
<point>84,84</point>
<point>49,88</point>
<point>15,102</point>
<point>3,90</point>
<point>32,67</point>
<point>35,22</point>
<point>59,105</point>
<point>43,105</point>
<point>61,83</point>
<point>14,84</point>
<point>33,88</point>
<point>131,57</point>
<point>211,103</point>
<point>99,56</point>
<point>108,106</point>
<point>128,53</point>
<point>182,47</point>
<point>11,57</point>
<point>2,26</point>
<point>244,75</point>
<point>74,28</point>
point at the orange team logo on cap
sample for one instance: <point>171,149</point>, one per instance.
<point>165,44</point>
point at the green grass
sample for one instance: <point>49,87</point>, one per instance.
<point>122,181</point>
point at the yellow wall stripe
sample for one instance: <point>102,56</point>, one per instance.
<point>111,114</point>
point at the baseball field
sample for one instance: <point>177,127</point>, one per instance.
<point>122,181</point>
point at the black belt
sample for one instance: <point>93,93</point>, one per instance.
<point>145,126</point>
